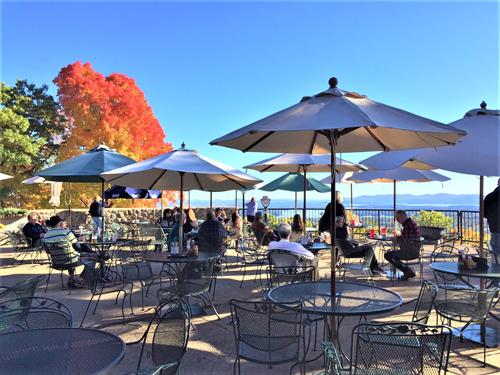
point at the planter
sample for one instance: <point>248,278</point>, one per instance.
<point>431,233</point>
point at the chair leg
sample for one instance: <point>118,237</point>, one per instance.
<point>243,276</point>
<point>97,302</point>
<point>483,335</point>
<point>86,310</point>
<point>48,279</point>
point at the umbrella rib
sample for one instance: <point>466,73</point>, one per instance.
<point>236,182</point>
<point>313,142</point>
<point>257,141</point>
<point>377,139</point>
<point>268,167</point>
<point>161,175</point>
<point>198,181</point>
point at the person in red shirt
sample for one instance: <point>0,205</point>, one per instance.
<point>409,245</point>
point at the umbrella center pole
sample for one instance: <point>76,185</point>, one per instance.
<point>333,214</point>
<point>304,219</point>
<point>181,212</point>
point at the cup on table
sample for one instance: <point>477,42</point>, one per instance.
<point>372,233</point>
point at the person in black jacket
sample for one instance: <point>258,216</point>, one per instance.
<point>95,212</point>
<point>492,215</point>
<point>324,221</point>
<point>33,231</point>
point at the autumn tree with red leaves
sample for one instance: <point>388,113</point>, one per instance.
<point>110,110</point>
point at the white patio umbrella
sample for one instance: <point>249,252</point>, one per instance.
<point>296,163</point>
<point>4,176</point>
<point>395,175</point>
<point>478,153</point>
<point>181,170</point>
<point>36,180</point>
<point>339,121</point>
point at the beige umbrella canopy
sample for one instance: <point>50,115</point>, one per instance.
<point>181,170</point>
<point>296,163</point>
<point>339,121</point>
<point>478,153</point>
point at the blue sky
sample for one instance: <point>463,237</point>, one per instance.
<point>209,68</point>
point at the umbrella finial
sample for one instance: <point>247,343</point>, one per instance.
<point>483,105</point>
<point>183,146</point>
<point>333,82</point>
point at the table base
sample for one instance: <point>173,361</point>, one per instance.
<point>473,333</point>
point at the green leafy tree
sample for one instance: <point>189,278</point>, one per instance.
<point>47,125</point>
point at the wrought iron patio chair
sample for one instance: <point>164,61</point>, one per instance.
<point>33,313</point>
<point>105,281</point>
<point>57,248</point>
<point>286,268</point>
<point>268,333</point>
<point>22,248</point>
<point>251,254</point>
<point>393,349</point>
<point>465,306</point>
<point>447,253</point>
<point>194,280</point>
<point>166,337</point>
<point>23,289</point>
<point>413,255</point>
<point>353,264</point>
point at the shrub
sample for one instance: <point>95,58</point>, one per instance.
<point>434,219</point>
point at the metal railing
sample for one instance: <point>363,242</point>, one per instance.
<point>464,223</point>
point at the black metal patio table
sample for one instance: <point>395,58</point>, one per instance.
<point>473,331</point>
<point>176,266</point>
<point>316,247</point>
<point>352,300</point>
<point>59,351</point>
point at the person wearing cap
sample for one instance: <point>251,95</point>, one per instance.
<point>66,256</point>
<point>492,215</point>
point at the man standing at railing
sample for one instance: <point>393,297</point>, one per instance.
<point>492,215</point>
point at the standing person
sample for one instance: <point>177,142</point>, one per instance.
<point>33,231</point>
<point>324,221</point>
<point>409,245</point>
<point>95,212</point>
<point>492,215</point>
<point>251,210</point>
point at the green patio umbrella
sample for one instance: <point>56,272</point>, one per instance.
<point>86,167</point>
<point>295,182</point>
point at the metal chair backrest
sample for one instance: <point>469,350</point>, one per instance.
<point>23,289</point>
<point>283,259</point>
<point>466,304</point>
<point>168,333</point>
<point>33,313</point>
<point>411,348</point>
<point>445,253</point>
<point>196,277</point>
<point>266,331</point>
<point>410,249</point>
<point>287,268</point>
<point>60,253</point>
<point>425,302</point>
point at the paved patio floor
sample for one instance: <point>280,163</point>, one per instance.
<point>211,347</point>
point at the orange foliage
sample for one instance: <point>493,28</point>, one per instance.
<point>110,110</point>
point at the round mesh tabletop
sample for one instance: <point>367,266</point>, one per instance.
<point>59,351</point>
<point>492,272</point>
<point>352,298</point>
<point>166,258</point>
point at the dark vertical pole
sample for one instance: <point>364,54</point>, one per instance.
<point>333,215</point>
<point>394,205</point>
<point>243,205</point>
<point>305,205</point>
<point>210,200</point>
<point>69,202</point>
<point>102,203</point>
<point>236,201</point>
<point>181,212</point>
<point>481,215</point>
<point>352,210</point>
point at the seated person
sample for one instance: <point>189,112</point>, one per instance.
<point>67,257</point>
<point>409,245</point>
<point>234,226</point>
<point>167,220</point>
<point>262,232</point>
<point>190,222</point>
<point>351,249</point>
<point>33,231</point>
<point>211,234</point>
<point>297,228</point>
<point>284,244</point>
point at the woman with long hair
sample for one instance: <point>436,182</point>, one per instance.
<point>191,221</point>
<point>297,228</point>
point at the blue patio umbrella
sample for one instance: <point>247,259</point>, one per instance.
<point>122,192</point>
<point>295,182</point>
<point>86,167</point>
